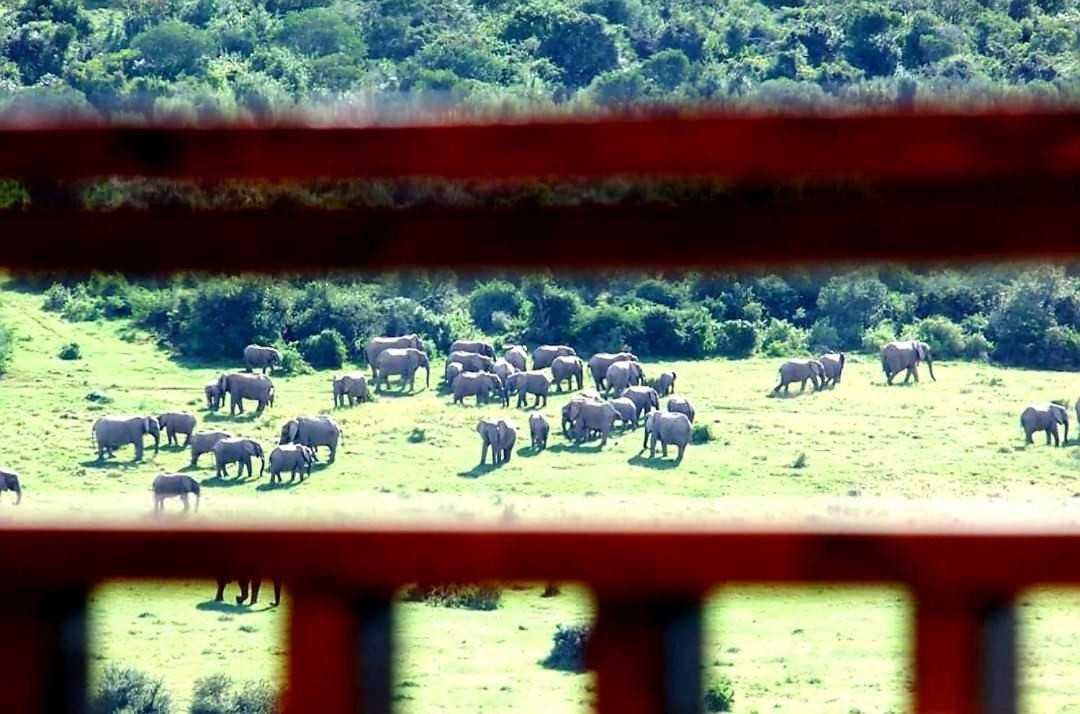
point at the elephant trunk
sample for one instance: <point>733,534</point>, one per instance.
<point>157,443</point>
<point>427,375</point>
<point>18,489</point>
<point>1066,439</point>
<point>262,465</point>
<point>930,366</point>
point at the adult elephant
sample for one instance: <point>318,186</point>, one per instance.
<point>621,375</point>
<point>403,362</point>
<point>376,346</point>
<point>247,585</point>
<point>1045,417</point>
<point>568,369</point>
<point>645,398</point>
<point>352,386</point>
<point>112,432</point>
<point>666,428</point>
<point>175,485</point>
<point>313,431</point>
<point>9,481</point>
<point>480,385</point>
<point>681,405</point>
<point>238,450</point>
<point>241,385</point>
<point>567,422</point>
<point>479,347</point>
<point>177,423</point>
<point>524,383</point>
<point>294,458</point>
<point>834,367</point>
<point>517,356</point>
<point>800,370</point>
<point>202,442</point>
<point>599,363</point>
<point>899,356</point>
<point>544,355</point>
<point>260,357</point>
<point>499,435</point>
<point>472,361</point>
<point>589,416</point>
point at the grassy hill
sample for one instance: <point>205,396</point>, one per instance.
<point>869,454</point>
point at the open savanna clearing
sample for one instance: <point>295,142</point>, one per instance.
<point>867,454</point>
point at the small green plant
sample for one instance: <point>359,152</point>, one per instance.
<point>476,596</point>
<point>128,691</point>
<point>7,347</point>
<point>568,648</point>
<point>292,362</point>
<point>98,397</point>
<point>417,436</point>
<point>720,696</point>
<point>800,461</point>
<point>70,351</point>
<point>701,434</point>
<point>218,694</point>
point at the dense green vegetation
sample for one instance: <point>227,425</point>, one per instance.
<point>186,60</point>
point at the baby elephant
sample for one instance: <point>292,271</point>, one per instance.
<point>182,485</point>
<point>538,430</point>
<point>247,585</point>
<point>1045,417</point>
<point>177,423</point>
<point>10,482</point>
<point>665,383</point>
<point>293,458</point>
<point>213,396</point>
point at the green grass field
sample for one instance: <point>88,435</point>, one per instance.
<point>934,453</point>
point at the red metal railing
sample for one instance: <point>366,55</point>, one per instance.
<point>913,187</point>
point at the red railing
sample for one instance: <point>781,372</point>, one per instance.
<point>801,189</point>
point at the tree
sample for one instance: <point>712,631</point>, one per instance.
<point>851,304</point>
<point>553,311</point>
<point>171,48</point>
<point>321,31</point>
<point>668,69</point>
<point>871,44</point>
<point>580,44</point>
<point>493,297</point>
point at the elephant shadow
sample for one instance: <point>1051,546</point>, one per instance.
<point>227,482</point>
<point>398,394</point>
<point>223,416</point>
<point>285,485</point>
<point>230,608</point>
<point>575,448</point>
<point>658,464</point>
<point>113,464</point>
<point>528,452</point>
<point>478,471</point>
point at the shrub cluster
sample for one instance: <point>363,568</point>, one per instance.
<point>70,351</point>
<point>476,596</point>
<point>568,648</point>
<point>219,694</point>
<point>128,691</point>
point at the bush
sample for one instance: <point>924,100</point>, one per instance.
<point>70,351</point>
<point>128,691</point>
<point>218,694</point>
<point>494,297</point>
<point>823,336</point>
<point>292,362</point>
<point>607,328</point>
<point>878,336</point>
<point>945,337</point>
<point>568,649</point>
<point>478,596</point>
<point>738,338</point>
<point>661,292</point>
<point>780,339</point>
<point>701,434</point>
<point>417,436</point>
<point>720,697</point>
<point>325,350</point>
<point>7,347</point>
<point>56,298</point>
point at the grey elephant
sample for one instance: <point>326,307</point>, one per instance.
<point>352,386</point>
<point>451,371</point>
<point>241,385</point>
<point>1045,417</point>
<point>524,383</point>
<point>665,383</point>
<point>800,370</point>
<point>590,417</point>
<point>567,422</point>
<point>260,357</point>
<point>376,345</point>
<point>238,450</point>
<point>544,355</point>
<point>621,375</point>
<point>213,396</point>
<point>403,362</point>
<point>479,384</point>
<point>313,431</point>
<point>202,442</point>
<point>504,369</point>
<point>645,398</point>
<point>834,367</point>
<point>682,405</point>
<point>599,363</point>
<point>538,431</point>
<point>9,481</point>
<point>246,585</point>
<point>472,361</point>
<point>112,432</point>
<point>294,458</point>
<point>899,356</point>
<point>568,369</point>
<point>177,423</point>
<point>517,356</point>
<point>475,346</point>
<point>666,428</point>
<point>179,485</point>
<point>628,411</point>
<point>498,434</point>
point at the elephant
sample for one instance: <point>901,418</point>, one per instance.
<point>112,432</point>
<point>544,355</point>
<point>376,345</point>
<point>834,367</point>
<point>1045,417</point>
<point>352,385</point>
<point>202,442</point>
<point>182,485</point>
<point>238,450</point>
<point>504,369</point>
<point>898,356</point>
<point>628,411</point>
<point>535,383</point>
<point>291,457</point>
<point>500,435</point>
<point>538,431</point>
<point>681,405</point>
<point>452,370</point>
<point>599,363</point>
<point>621,375</point>
<point>666,383</point>
<point>177,423</point>
<point>252,585</point>
<point>588,396</point>
<point>478,384</point>
<point>475,346</point>
<point>645,398</point>
<point>567,368</point>
<point>796,370</point>
<point>517,356</point>
<point>9,481</point>
<point>667,428</point>
<point>472,361</point>
<point>214,396</point>
<point>260,356</point>
<point>313,431</point>
<point>403,361</point>
<point>241,385</point>
<point>590,416</point>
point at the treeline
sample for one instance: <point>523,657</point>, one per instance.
<point>1026,316</point>
<point>200,60</point>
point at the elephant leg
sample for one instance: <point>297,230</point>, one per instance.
<point>506,455</point>
<point>184,498</point>
<point>682,450</point>
<point>603,439</point>
<point>220,590</point>
<point>483,453</point>
<point>652,446</point>
<point>277,592</point>
<point>187,440</point>
<point>915,372</point>
<point>243,582</point>
<point>802,387</point>
<point>256,585</point>
<point>138,451</point>
<point>889,377</point>
<point>663,449</point>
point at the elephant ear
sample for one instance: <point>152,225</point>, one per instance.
<point>294,428</point>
